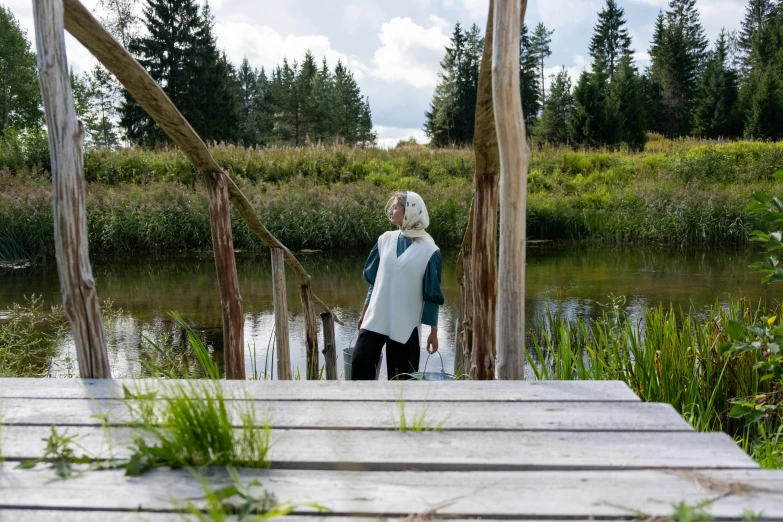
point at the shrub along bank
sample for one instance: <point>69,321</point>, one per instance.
<point>678,193</point>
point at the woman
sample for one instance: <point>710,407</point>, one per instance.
<point>404,271</point>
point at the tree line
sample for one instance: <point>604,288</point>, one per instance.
<point>732,90</point>
<point>293,104</point>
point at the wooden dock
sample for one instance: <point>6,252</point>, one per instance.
<point>507,450</point>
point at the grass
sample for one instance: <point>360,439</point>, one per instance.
<point>417,421</point>
<point>173,365</point>
<point>676,193</point>
<point>667,356</point>
<point>193,426</point>
<point>60,452</point>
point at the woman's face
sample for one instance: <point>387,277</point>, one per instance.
<point>396,213</point>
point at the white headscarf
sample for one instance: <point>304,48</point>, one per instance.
<point>416,219</point>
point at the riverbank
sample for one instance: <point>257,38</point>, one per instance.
<point>674,193</point>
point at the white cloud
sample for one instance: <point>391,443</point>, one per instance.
<point>716,14</point>
<point>389,136</point>
<point>264,46</point>
<point>410,52</point>
<point>565,13</point>
<point>477,8</point>
<point>580,63</point>
<point>656,3</point>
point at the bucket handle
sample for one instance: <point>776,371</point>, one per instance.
<point>442,368</point>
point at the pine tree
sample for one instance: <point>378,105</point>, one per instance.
<point>103,92</point>
<point>716,112</point>
<point>610,41</point>
<point>752,40</point>
<point>169,53</point>
<point>347,105</point>
<point>557,110</point>
<point>246,92</point>
<point>82,101</point>
<point>365,135</point>
<point>528,79</point>
<point>586,120</point>
<point>20,95</point>
<point>263,109</point>
<point>765,115</point>
<point>685,14</point>
<point>308,72</point>
<point>539,44</point>
<point>444,121</point>
<point>627,107</point>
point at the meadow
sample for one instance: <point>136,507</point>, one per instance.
<point>677,193</point>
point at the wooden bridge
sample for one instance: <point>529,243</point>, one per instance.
<point>507,450</point>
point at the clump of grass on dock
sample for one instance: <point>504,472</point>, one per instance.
<point>193,426</point>
<point>420,420</point>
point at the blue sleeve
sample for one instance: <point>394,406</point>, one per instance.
<point>371,270</point>
<point>433,297</point>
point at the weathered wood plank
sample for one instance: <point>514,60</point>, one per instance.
<point>485,494</point>
<point>475,416</point>
<point>35,515</point>
<point>440,451</point>
<point>342,391</point>
<point>330,346</point>
<point>66,137</point>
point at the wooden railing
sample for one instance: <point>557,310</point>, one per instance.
<point>65,142</point>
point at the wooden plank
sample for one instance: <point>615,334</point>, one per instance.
<point>311,332</point>
<point>475,416</point>
<point>35,515</point>
<point>439,451</point>
<point>330,346</point>
<point>342,391</point>
<point>551,494</point>
<point>66,138</point>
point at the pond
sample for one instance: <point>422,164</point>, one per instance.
<point>579,278</point>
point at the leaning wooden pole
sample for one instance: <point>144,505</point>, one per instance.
<point>464,335</point>
<point>484,269</point>
<point>92,35</point>
<point>66,138</point>
<point>514,155</point>
<point>228,282</point>
<point>280,300</point>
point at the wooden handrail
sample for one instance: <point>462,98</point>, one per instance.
<point>90,33</point>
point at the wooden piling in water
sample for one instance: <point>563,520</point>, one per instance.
<point>514,154</point>
<point>330,346</point>
<point>311,331</point>
<point>66,139</point>
<point>280,300</point>
<point>228,282</point>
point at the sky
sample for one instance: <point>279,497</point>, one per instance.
<point>394,47</point>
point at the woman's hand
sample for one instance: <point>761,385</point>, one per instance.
<point>432,340</point>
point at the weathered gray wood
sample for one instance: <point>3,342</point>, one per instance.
<point>519,416</point>
<point>311,331</point>
<point>485,494</point>
<point>463,341</point>
<point>484,269</point>
<point>514,155</point>
<point>342,391</point>
<point>441,451</point>
<point>330,346</point>
<point>228,282</point>
<point>280,299</point>
<point>35,515</point>
<point>66,137</point>
<point>90,33</point>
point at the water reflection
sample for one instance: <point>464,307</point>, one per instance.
<point>578,278</point>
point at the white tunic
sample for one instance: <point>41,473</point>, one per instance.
<point>397,299</point>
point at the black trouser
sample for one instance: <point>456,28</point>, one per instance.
<point>401,358</point>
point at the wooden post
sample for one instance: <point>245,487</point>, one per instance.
<point>483,272</point>
<point>463,339</point>
<point>514,155</point>
<point>311,331</point>
<point>330,346</point>
<point>280,299</point>
<point>230,299</point>
<point>66,137</point>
